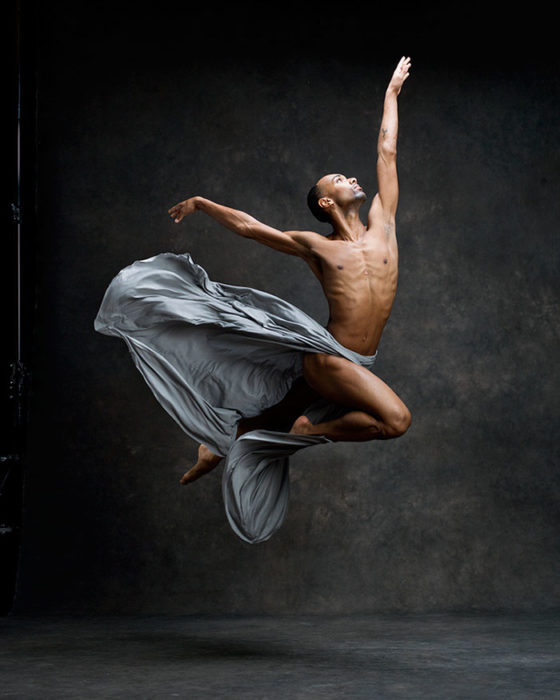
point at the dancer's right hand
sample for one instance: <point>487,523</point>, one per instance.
<point>179,211</point>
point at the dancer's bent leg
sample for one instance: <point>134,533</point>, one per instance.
<point>375,411</point>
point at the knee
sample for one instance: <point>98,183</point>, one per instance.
<point>400,421</point>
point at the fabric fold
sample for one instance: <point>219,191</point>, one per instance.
<point>256,484</point>
<point>212,354</point>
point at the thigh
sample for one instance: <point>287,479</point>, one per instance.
<point>343,381</point>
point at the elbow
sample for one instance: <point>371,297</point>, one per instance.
<point>245,229</point>
<point>387,152</point>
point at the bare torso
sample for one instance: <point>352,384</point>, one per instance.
<point>359,279</point>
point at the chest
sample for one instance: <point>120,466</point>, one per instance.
<point>376,259</point>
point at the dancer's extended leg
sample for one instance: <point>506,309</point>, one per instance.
<point>278,417</point>
<point>376,412</point>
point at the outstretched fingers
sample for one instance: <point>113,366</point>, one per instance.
<point>404,67</point>
<point>400,74</point>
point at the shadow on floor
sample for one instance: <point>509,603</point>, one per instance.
<point>378,656</point>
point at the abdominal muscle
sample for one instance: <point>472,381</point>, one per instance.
<point>358,332</point>
<point>360,297</point>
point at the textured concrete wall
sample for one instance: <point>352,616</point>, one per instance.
<point>136,112</point>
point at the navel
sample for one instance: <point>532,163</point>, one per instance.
<point>385,260</point>
<point>340,267</point>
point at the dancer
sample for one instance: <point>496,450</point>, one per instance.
<point>357,266</point>
<point>253,378</point>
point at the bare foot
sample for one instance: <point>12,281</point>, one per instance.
<point>301,426</point>
<point>207,461</point>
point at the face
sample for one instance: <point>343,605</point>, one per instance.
<point>341,190</point>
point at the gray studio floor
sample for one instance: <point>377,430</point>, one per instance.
<point>390,656</point>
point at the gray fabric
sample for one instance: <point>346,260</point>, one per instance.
<point>212,354</point>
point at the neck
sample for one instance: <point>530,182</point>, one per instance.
<point>348,224</point>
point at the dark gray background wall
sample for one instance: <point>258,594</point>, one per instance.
<point>249,105</point>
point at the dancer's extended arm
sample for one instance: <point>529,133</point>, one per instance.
<point>292,242</point>
<point>387,146</point>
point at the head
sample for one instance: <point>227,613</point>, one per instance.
<point>334,192</point>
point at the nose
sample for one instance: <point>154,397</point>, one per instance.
<point>352,181</point>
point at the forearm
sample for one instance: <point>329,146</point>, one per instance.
<point>292,242</point>
<point>237,221</point>
<point>388,132</point>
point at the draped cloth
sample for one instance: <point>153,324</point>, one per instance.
<point>213,354</point>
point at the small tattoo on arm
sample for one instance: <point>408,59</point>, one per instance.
<point>384,132</point>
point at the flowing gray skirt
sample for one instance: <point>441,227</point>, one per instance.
<point>215,353</point>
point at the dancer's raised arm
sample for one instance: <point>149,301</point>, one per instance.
<point>297,243</point>
<point>387,181</point>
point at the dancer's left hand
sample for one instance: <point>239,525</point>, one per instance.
<point>400,75</point>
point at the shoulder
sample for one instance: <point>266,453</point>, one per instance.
<point>379,215</point>
<point>376,205</point>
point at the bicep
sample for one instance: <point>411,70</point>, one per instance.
<point>387,182</point>
<point>290,242</point>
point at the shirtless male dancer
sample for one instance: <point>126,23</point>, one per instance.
<point>357,267</point>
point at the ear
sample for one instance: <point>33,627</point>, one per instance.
<point>325,202</point>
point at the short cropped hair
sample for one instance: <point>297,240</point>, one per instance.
<point>313,198</point>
